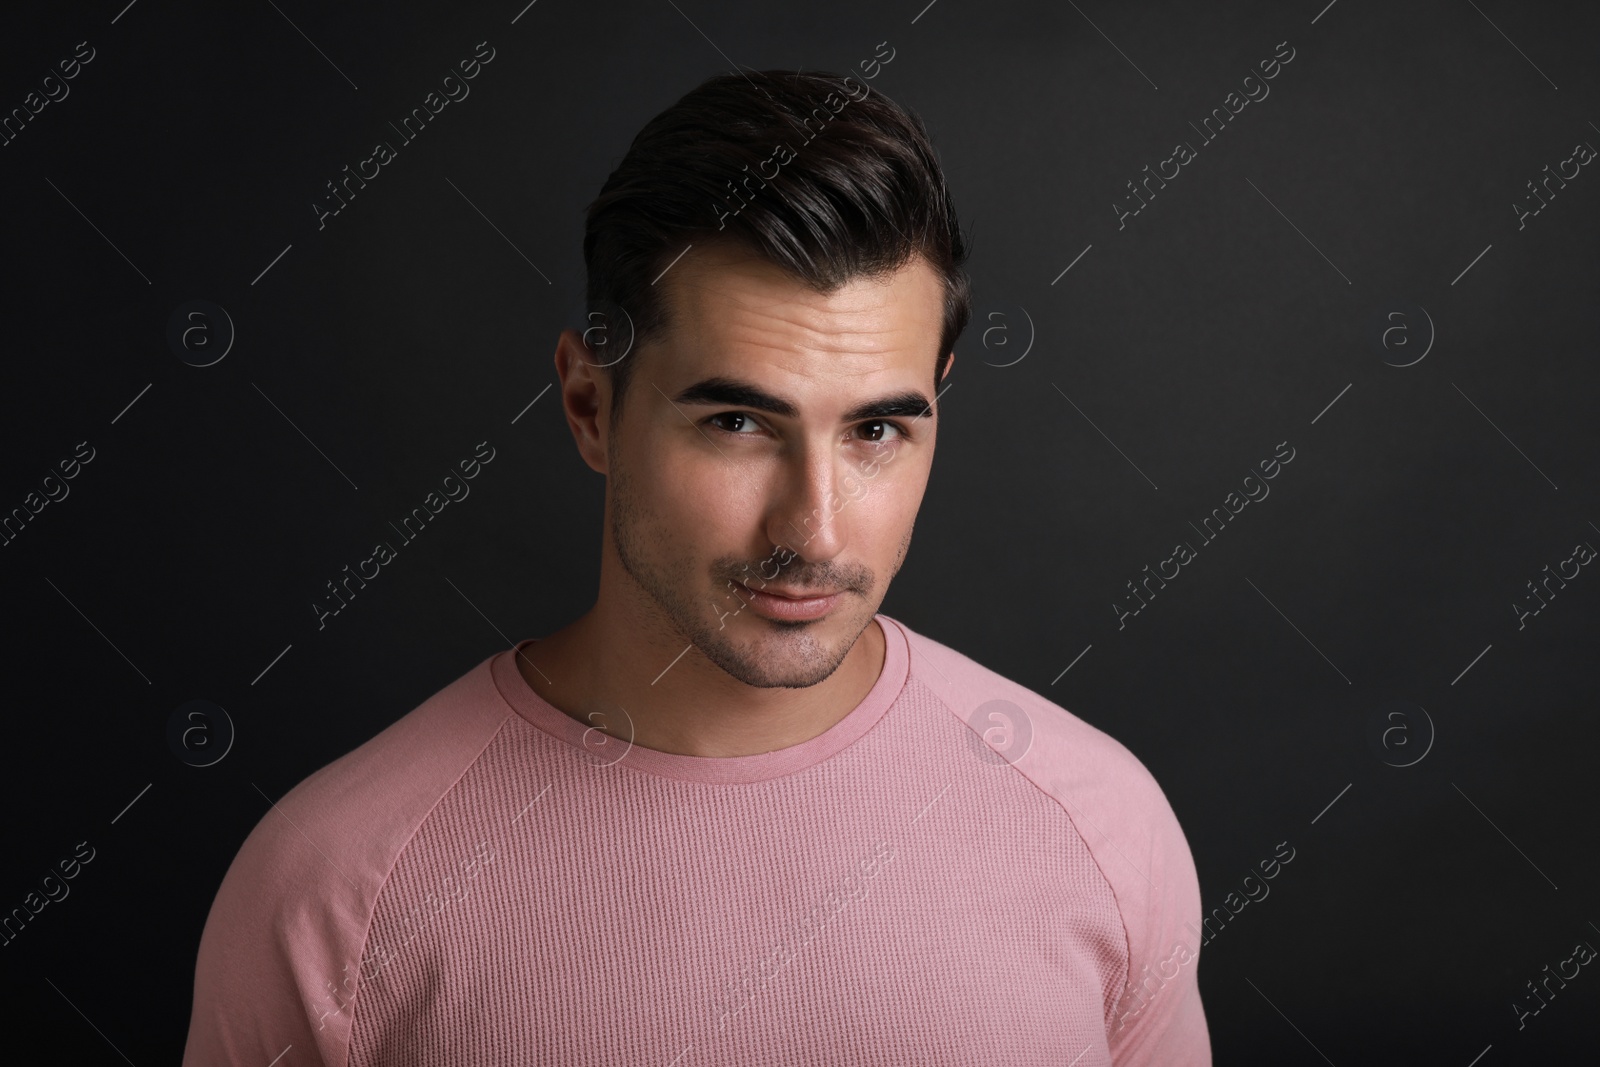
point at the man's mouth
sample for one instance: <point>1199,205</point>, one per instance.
<point>791,604</point>
<point>797,594</point>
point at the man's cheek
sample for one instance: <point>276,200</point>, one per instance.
<point>730,604</point>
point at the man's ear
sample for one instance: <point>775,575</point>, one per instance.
<point>948,366</point>
<point>585,397</point>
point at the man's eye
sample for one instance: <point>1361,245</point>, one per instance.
<point>739,424</point>
<point>737,418</point>
<point>876,429</point>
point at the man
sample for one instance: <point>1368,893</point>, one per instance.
<point>732,814</point>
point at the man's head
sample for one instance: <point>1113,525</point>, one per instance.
<point>776,270</point>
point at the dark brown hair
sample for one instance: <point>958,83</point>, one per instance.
<point>858,191</point>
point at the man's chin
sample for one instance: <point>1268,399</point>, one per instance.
<point>768,654</point>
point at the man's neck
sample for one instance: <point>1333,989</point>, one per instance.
<point>678,701</point>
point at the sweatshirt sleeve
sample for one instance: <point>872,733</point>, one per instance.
<point>279,955</point>
<point>284,946</point>
<point>1159,1020</point>
<point>1128,824</point>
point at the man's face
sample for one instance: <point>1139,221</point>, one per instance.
<point>712,493</point>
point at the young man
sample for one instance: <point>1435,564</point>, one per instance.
<point>732,814</point>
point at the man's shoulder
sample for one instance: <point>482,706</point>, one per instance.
<point>364,804</point>
<point>283,941</point>
<point>1040,737</point>
<point>1124,818</point>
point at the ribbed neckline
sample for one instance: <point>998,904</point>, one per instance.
<point>709,769</point>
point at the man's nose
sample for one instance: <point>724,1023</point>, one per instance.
<point>810,516</point>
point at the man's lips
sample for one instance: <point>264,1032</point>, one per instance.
<point>791,605</point>
<point>794,594</point>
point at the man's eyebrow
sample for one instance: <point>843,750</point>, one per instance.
<point>735,393</point>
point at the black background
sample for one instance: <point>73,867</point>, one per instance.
<point>1231,314</point>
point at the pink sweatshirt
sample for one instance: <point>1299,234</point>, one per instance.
<point>490,882</point>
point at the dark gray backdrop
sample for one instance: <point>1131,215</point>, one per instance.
<point>1344,668</point>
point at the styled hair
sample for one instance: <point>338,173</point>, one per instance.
<point>815,173</point>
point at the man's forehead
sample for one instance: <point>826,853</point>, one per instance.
<point>731,308</point>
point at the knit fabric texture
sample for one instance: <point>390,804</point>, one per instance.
<point>957,872</point>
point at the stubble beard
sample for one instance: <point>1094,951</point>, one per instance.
<point>785,655</point>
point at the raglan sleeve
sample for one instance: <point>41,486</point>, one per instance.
<point>1159,1020</point>
<point>279,955</point>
